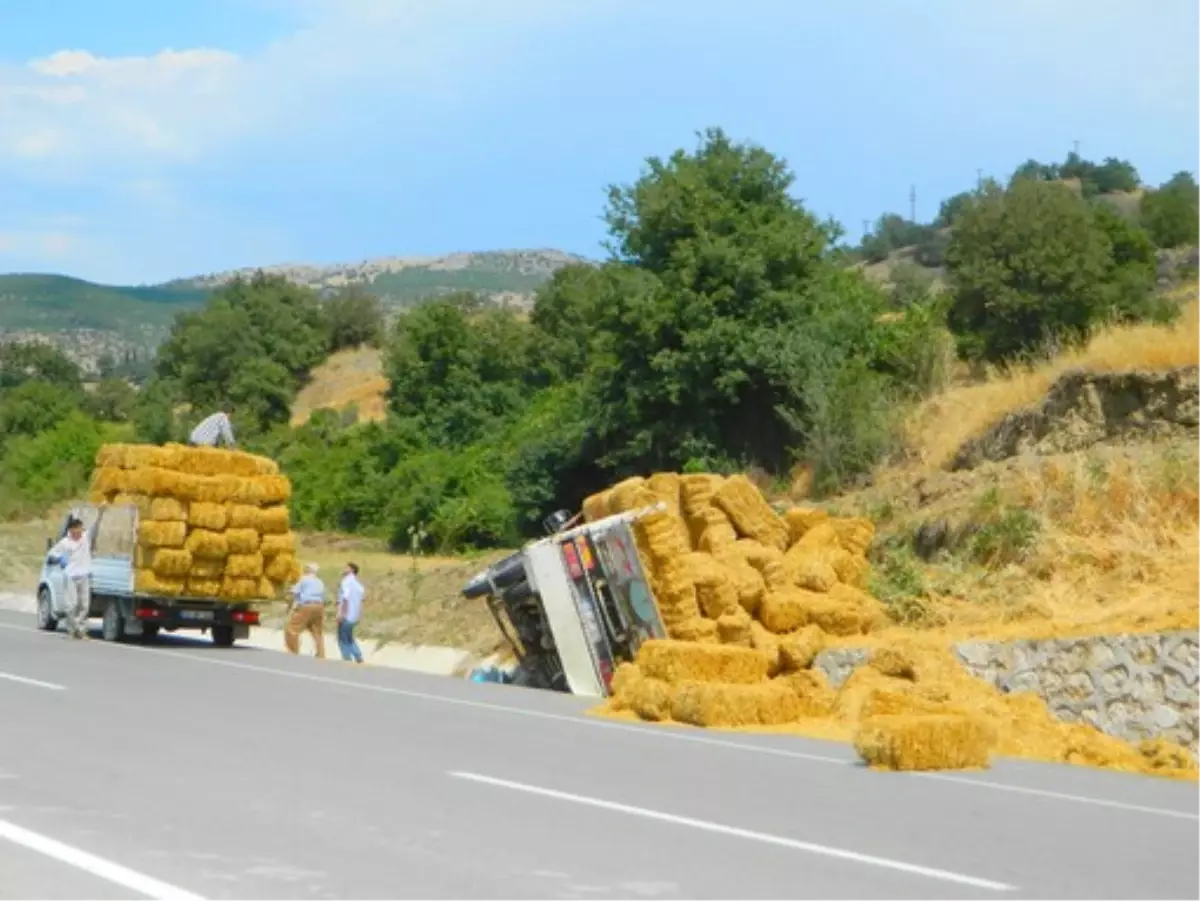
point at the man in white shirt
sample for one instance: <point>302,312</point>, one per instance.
<point>216,429</point>
<point>74,552</point>
<point>349,612</point>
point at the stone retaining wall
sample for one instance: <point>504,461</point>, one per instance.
<point>1131,686</point>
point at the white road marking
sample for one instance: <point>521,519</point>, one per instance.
<point>649,731</point>
<point>25,680</point>
<point>764,837</point>
<point>1058,796</point>
<point>96,866</point>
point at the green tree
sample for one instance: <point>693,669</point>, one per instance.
<point>25,361</point>
<point>1171,214</point>
<point>112,400</point>
<point>355,318</point>
<point>951,208</point>
<point>248,351</point>
<point>459,367</point>
<point>1028,265</point>
<point>34,406</point>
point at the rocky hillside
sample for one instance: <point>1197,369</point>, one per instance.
<point>89,321</point>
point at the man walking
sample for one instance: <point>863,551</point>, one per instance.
<point>216,429</point>
<point>308,612</point>
<point>74,553</point>
<point>349,611</point>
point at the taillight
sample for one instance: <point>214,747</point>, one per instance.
<point>246,617</point>
<point>147,613</point>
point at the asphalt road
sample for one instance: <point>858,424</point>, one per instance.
<point>179,770</point>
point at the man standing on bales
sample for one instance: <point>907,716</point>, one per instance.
<point>307,613</point>
<point>215,430</point>
<point>74,553</point>
<point>349,611</point>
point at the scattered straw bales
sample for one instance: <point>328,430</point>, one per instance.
<point>214,522</point>
<point>751,597</point>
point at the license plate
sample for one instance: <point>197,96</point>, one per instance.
<point>196,614</point>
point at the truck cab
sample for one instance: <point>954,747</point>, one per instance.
<point>573,605</point>
<point>112,530</point>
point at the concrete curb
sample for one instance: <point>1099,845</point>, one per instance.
<point>433,659</point>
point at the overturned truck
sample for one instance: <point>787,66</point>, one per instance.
<point>573,605</point>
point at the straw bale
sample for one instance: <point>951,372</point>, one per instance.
<point>923,742</point>
<point>650,699</point>
<point>860,686</point>
<point>666,487</point>
<point>733,628</point>
<point>207,569</point>
<point>242,541</point>
<point>109,481</point>
<point>595,506</point>
<point>808,569</point>
<point>810,687</point>
<point>213,517</point>
<point>757,554</point>
<point>244,566</point>
<point>767,644</point>
<point>820,537</point>
<point>282,569</point>
<point>265,490</point>
<point>203,588</point>
<point>271,520</point>
<point>168,509</point>
<point>624,677</point>
<point>110,456</point>
<point>661,537</point>
<point>683,661</point>
<point>239,589</point>
<point>267,589</point>
<point>145,581</point>
<point>273,545</point>
<point>716,536</point>
<point>216,461</point>
<point>800,519</point>
<point>246,516</point>
<point>170,562</point>
<point>854,533</point>
<point>799,649</point>
<point>716,594</point>
<point>785,610</point>
<point>97,497</point>
<point>750,513</point>
<point>207,545</point>
<point>777,576</point>
<point>154,481</point>
<point>630,494</point>
<point>745,578</point>
<point>870,611</point>
<point>851,569</point>
<point>140,501</point>
<point>696,491</point>
<point>696,629</point>
<point>161,534</point>
<point>763,704</point>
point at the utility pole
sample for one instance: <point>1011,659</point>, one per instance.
<point>1075,144</point>
<point>866,228</point>
<point>912,203</point>
<point>978,179</point>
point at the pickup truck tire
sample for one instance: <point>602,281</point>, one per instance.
<point>46,620</point>
<point>113,625</point>
<point>222,636</point>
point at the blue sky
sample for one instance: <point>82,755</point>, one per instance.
<point>142,140</point>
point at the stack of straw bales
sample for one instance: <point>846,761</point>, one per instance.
<point>213,522</point>
<point>750,597</point>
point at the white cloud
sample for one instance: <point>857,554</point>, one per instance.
<point>49,246</point>
<point>72,113</point>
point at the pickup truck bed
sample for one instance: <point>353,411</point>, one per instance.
<point>125,612</point>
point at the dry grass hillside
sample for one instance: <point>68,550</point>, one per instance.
<point>1085,529</point>
<point>348,378</point>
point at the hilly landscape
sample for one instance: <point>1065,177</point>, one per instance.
<point>90,321</point>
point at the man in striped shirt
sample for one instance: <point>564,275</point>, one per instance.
<point>216,429</point>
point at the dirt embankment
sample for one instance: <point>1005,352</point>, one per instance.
<point>1084,409</point>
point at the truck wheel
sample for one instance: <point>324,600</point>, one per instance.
<point>113,626</point>
<point>46,620</point>
<point>222,636</point>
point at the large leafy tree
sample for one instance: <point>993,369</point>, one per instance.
<point>1171,213</point>
<point>248,350</point>
<point>1028,265</point>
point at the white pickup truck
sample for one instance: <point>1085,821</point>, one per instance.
<point>124,611</point>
